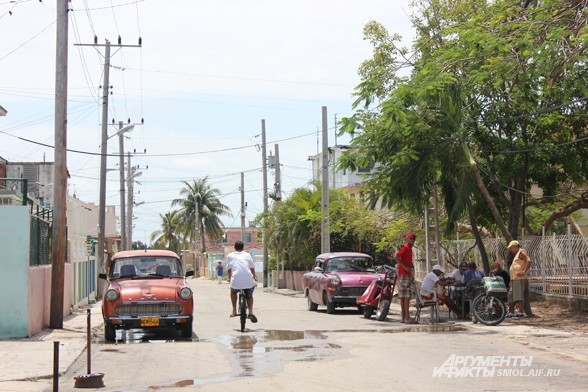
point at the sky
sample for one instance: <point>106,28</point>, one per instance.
<point>205,77</point>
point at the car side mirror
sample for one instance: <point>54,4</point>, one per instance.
<point>189,273</point>
<point>102,275</point>
<point>318,269</point>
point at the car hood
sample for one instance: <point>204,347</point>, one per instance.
<point>355,278</point>
<point>149,289</point>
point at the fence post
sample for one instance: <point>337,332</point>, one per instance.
<point>570,259</point>
<point>543,282</point>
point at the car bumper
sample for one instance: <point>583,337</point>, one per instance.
<point>148,322</point>
<point>344,301</point>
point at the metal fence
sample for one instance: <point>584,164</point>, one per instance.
<point>40,244</point>
<point>559,262</point>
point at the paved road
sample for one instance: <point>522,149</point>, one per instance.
<point>292,349</point>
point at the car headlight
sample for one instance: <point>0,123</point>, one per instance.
<point>335,280</point>
<point>185,293</point>
<point>111,295</point>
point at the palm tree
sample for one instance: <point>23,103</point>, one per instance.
<point>172,233</point>
<point>200,209</point>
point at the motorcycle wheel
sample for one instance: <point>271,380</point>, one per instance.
<point>368,312</point>
<point>383,309</point>
<point>488,310</point>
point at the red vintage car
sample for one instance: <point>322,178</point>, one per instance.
<point>147,289</point>
<point>338,279</point>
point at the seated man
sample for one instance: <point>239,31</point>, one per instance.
<point>435,281</point>
<point>472,273</point>
<point>458,274</point>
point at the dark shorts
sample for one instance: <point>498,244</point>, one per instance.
<point>248,292</point>
<point>404,285</point>
<point>517,290</point>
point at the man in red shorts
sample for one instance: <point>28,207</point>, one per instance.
<point>405,277</point>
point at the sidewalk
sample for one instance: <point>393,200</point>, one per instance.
<point>22,361</point>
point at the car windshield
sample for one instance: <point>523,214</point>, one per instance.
<point>350,264</point>
<point>130,267</point>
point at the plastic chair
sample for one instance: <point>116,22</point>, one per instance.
<point>422,303</point>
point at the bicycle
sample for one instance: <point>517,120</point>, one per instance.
<point>242,306</point>
<point>488,307</point>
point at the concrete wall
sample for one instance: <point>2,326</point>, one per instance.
<point>14,271</point>
<point>25,292</point>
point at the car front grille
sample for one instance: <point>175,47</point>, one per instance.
<point>352,291</point>
<point>137,309</point>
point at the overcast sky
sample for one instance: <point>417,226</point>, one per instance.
<point>206,75</point>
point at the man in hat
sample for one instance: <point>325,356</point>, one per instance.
<point>519,281</point>
<point>435,281</point>
<point>405,277</point>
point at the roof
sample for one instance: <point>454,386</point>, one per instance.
<point>145,252</point>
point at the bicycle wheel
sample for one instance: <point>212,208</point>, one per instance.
<point>242,310</point>
<point>488,310</point>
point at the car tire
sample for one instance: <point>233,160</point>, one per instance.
<point>311,305</point>
<point>109,333</point>
<point>186,331</point>
<point>330,305</point>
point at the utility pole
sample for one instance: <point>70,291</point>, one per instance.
<point>264,170</point>
<point>278,180</point>
<point>103,153</point>
<point>121,163</point>
<point>242,206</point>
<point>59,203</point>
<point>325,235</point>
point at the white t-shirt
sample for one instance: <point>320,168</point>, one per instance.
<point>240,264</point>
<point>457,275</point>
<point>428,286</point>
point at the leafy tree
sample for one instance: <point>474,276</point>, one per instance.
<point>495,90</point>
<point>170,236</point>
<point>200,210</point>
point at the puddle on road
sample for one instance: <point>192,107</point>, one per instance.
<point>266,352</point>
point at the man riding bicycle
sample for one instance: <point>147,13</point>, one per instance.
<point>241,271</point>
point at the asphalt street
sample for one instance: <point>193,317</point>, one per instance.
<point>293,349</point>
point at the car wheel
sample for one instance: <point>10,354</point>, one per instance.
<point>109,333</point>
<point>311,305</point>
<point>186,331</point>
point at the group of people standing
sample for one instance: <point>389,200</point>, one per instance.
<point>434,282</point>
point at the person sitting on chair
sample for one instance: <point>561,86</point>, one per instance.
<point>472,273</point>
<point>435,281</point>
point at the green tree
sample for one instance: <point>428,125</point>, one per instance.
<point>201,210</point>
<point>170,236</point>
<point>495,90</point>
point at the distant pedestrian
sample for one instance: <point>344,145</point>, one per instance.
<point>219,272</point>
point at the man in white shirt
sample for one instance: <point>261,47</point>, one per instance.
<point>436,281</point>
<point>241,272</point>
<point>458,273</point>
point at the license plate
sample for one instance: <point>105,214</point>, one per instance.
<point>149,321</point>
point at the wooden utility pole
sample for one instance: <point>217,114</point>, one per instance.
<point>242,206</point>
<point>103,155</point>
<point>265,207</point>
<point>325,235</point>
<point>60,180</point>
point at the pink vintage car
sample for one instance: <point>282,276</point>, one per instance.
<point>147,289</point>
<point>338,279</point>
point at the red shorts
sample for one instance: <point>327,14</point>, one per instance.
<point>440,298</point>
